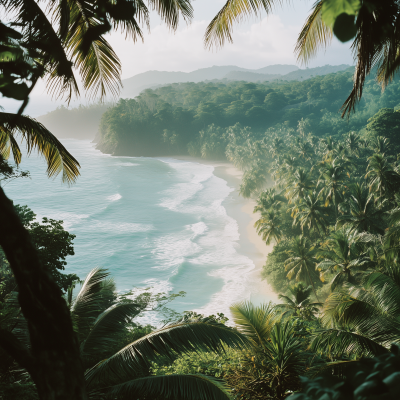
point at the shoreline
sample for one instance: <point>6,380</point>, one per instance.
<point>241,210</point>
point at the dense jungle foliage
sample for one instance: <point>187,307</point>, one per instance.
<point>327,194</point>
<point>167,120</point>
<point>331,207</point>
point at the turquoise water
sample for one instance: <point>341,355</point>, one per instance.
<point>156,223</point>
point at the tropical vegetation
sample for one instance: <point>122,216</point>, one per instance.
<point>194,118</point>
<point>326,192</point>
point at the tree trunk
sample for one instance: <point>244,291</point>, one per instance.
<point>54,359</point>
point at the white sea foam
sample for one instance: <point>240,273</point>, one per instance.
<point>153,286</point>
<point>170,251</point>
<point>117,227</point>
<point>194,176</point>
<point>114,197</point>
<point>126,164</point>
<point>198,229</point>
<point>216,236</point>
<point>236,287</point>
<point>69,219</point>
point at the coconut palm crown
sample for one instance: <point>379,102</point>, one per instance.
<point>115,368</point>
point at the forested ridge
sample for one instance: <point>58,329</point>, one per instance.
<point>165,120</point>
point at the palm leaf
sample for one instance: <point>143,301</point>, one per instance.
<point>340,341</point>
<point>98,65</point>
<point>255,322</point>
<point>108,326</point>
<point>86,306</point>
<point>174,387</point>
<point>176,338</point>
<point>39,138</point>
<point>169,10</point>
<point>315,34</point>
<point>220,28</point>
<point>39,30</point>
<point>366,49</point>
<point>131,27</point>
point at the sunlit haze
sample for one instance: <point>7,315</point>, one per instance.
<point>258,42</point>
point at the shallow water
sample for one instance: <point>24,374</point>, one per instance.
<point>151,222</point>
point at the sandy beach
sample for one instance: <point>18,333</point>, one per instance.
<point>241,209</point>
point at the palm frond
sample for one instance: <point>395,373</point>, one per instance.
<point>368,48</point>
<point>255,322</point>
<point>132,27</point>
<point>98,64</point>
<point>188,387</point>
<point>39,31</point>
<point>340,342</point>
<point>108,326</point>
<point>169,10</point>
<point>38,138</point>
<point>314,34</point>
<point>220,28</point>
<point>85,307</point>
<point>176,338</point>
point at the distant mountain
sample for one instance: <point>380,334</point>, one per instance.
<point>136,84</point>
<point>297,75</point>
<point>302,74</point>
<point>277,69</point>
<point>251,76</point>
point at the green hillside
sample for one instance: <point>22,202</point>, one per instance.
<point>80,123</point>
<point>168,120</point>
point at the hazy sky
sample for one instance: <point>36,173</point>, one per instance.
<point>258,42</point>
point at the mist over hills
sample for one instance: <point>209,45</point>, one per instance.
<point>294,75</point>
<point>82,122</point>
<point>137,83</point>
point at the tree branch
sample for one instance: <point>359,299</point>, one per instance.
<point>55,349</point>
<point>15,349</point>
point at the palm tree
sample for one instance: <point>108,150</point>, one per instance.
<point>269,199</point>
<point>277,357</point>
<point>283,169</point>
<point>302,261</point>
<point>328,146</point>
<point>383,178</point>
<point>362,321</point>
<point>299,302</point>
<point>333,177</point>
<point>53,41</point>
<point>309,212</point>
<point>253,180</point>
<point>304,149</point>
<point>277,144</point>
<point>101,320</point>
<point>375,46</point>
<point>353,143</point>
<point>344,256</point>
<point>301,184</point>
<point>362,216</point>
<point>268,226</point>
<point>380,145</point>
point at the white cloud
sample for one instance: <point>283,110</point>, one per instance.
<point>255,45</point>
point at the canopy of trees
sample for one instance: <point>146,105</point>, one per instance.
<point>164,121</point>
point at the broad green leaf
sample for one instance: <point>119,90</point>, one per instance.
<point>345,28</point>
<point>17,91</point>
<point>331,9</point>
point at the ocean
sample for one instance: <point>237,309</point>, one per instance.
<point>156,223</point>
